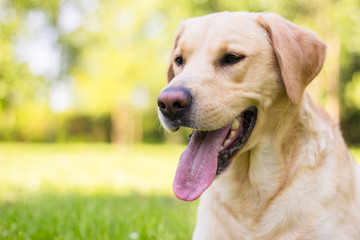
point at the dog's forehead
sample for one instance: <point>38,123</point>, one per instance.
<point>224,27</point>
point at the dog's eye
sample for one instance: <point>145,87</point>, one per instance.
<point>232,59</point>
<point>179,61</point>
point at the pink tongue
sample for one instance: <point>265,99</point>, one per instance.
<point>198,164</point>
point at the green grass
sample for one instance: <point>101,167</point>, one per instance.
<point>93,191</point>
<point>49,215</point>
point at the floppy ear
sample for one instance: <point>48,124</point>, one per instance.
<point>170,70</point>
<point>300,53</point>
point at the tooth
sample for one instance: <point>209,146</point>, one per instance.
<point>235,124</point>
<point>221,148</point>
<point>227,142</point>
<point>232,134</point>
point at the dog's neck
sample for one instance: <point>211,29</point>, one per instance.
<point>257,176</point>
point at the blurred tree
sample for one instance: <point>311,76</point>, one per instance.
<point>19,88</point>
<point>104,61</point>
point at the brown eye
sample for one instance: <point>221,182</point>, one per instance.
<point>179,61</point>
<point>232,59</point>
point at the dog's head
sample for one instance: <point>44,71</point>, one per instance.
<point>226,71</point>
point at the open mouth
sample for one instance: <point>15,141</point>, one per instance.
<point>237,137</point>
<point>209,153</point>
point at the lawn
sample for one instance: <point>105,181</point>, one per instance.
<point>92,191</point>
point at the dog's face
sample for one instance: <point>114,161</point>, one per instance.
<point>220,58</point>
<point>225,74</point>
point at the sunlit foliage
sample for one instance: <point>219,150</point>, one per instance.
<point>93,59</point>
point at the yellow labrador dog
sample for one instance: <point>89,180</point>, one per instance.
<point>267,162</point>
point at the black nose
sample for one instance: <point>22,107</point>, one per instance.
<point>173,101</point>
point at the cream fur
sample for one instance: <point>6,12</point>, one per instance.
<point>295,177</point>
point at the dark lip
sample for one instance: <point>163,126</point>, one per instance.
<point>248,117</point>
<point>174,124</point>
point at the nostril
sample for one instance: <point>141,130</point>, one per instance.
<point>161,105</point>
<point>177,105</point>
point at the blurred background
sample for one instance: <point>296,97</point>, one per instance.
<point>78,116</point>
<point>76,70</point>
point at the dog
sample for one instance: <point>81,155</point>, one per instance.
<point>267,162</point>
